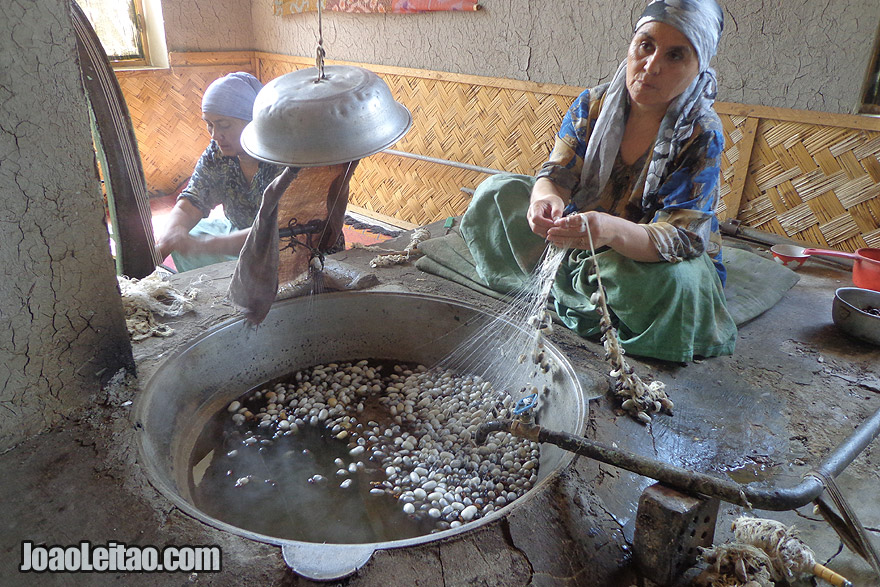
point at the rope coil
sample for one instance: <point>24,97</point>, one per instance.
<point>410,252</point>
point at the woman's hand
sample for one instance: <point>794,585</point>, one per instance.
<point>627,238</point>
<point>576,230</point>
<point>227,244</point>
<point>546,206</point>
<point>176,237</point>
<point>179,240</point>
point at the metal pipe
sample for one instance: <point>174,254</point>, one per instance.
<point>770,498</point>
<point>458,164</point>
<point>736,229</point>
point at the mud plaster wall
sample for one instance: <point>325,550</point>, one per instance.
<point>63,326</point>
<point>208,25</point>
<point>810,54</point>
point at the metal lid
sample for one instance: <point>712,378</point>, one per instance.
<point>302,121</point>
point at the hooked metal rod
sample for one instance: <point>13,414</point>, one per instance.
<point>459,164</point>
<point>766,498</point>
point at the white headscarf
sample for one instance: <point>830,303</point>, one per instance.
<point>701,21</point>
<point>232,95</point>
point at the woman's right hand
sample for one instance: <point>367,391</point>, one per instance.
<point>546,206</point>
<point>179,222</point>
<point>543,212</point>
<point>175,238</point>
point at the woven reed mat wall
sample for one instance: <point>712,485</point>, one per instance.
<point>809,176</point>
<point>498,124</point>
<point>166,111</point>
<point>812,177</point>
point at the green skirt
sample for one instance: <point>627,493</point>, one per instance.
<point>669,311</point>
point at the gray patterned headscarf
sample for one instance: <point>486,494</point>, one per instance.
<point>232,95</point>
<point>701,21</point>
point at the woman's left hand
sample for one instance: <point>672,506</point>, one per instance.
<point>574,231</point>
<point>631,240</point>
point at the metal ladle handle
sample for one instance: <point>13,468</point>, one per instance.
<point>831,253</point>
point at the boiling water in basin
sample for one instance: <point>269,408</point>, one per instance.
<point>275,490</point>
<point>367,452</point>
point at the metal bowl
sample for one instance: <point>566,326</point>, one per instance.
<point>302,121</point>
<point>853,311</point>
<point>790,256</point>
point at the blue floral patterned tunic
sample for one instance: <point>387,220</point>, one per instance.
<point>681,218</point>
<point>220,180</point>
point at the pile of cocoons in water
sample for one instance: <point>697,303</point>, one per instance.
<point>410,428</point>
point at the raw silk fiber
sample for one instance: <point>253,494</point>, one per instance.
<point>283,7</point>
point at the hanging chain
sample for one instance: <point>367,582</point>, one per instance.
<point>319,61</point>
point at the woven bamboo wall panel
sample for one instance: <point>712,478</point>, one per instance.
<point>808,176</point>
<point>814,183</point>
<point>165,108</point>
<point>733,129</point>
<point>411,190</point>
<point>498,128</point>
<point>269,69</point>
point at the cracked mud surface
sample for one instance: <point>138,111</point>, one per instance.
<point>52,338</point>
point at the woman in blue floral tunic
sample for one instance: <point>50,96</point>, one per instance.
<point>635,166</point>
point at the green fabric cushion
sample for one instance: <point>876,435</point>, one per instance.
<point>754,283</point>
<point>669,311</point>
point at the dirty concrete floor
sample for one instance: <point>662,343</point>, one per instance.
<point>795,388</point>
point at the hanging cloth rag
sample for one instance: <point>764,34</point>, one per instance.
<point>307,206</point>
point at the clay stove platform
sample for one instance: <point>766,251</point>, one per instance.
<point>795,388</point>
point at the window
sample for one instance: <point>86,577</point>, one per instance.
<point>871,94</point>
<point>130,31</point>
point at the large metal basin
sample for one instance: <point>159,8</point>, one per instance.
<point>193,385</point>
